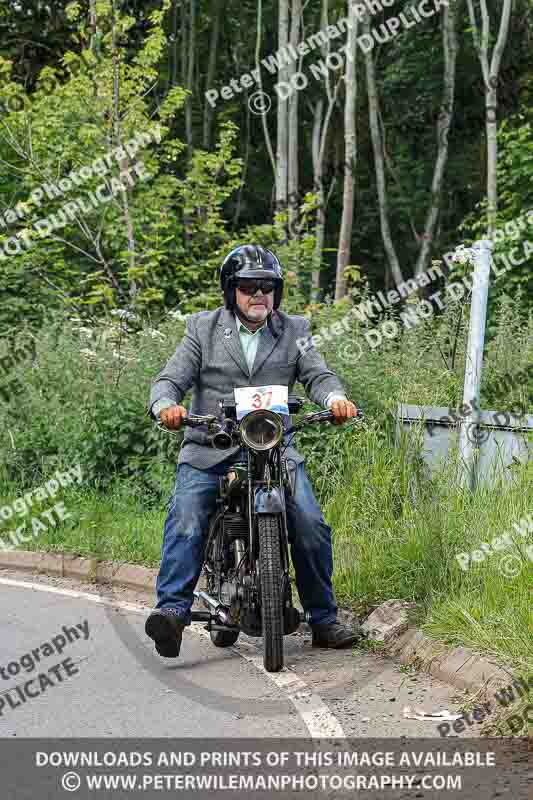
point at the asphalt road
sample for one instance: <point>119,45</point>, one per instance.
<point>108,681</point>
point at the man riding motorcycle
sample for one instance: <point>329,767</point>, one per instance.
<point>248,342</point>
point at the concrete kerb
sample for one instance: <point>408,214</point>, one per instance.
<point>142,579</point>
<point>458,667</point>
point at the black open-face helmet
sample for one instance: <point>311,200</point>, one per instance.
<point>250,261</point>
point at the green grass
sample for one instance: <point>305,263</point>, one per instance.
<point>388,546</point>
<point>111,526</point>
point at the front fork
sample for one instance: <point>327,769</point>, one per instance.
<point>272,501</point>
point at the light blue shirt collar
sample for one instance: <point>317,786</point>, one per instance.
<point>246,330</point>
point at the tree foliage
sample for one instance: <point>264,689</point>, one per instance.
<point>79,81</point>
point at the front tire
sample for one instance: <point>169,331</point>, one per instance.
<point>270,579</point>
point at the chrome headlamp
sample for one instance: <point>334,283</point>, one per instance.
<point>261,430</point>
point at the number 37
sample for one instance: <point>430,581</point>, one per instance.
<point>262,400</point>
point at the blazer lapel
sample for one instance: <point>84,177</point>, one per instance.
<point>232,341</point>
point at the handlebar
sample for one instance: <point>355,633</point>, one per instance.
<point>215,425</point>
<point>318,416</point>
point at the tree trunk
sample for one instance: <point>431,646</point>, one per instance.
<point>184,43</point>
<point>318,188</point>
<point>174,52</point>
<point>293,126</point>
<point>190,78</point>
<point>350,156</point>
<point>449,44</point>
<point>211,68</point>
<point>377,146</point>
<point>320,137</point>
<point>124,162</point>
<point>283,106</point>
<point>92,17</point>
<point>95,237</point>
<point>268,143</point>
<point>490,77</point>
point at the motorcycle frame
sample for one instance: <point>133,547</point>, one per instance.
<point>264,496</point>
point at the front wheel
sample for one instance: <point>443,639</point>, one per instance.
<point>270,580</point>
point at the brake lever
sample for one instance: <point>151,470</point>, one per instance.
<point>192,421</point>
<point>319,416</point>
<point>163,428</point>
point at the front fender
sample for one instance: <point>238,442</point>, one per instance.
<point>266,502</point>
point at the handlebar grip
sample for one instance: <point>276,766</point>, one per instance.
<point>193,420</point>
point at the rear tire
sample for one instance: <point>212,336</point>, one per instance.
<point>224,638</point>
<point>270,578</point>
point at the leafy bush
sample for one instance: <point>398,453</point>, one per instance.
<point>84,398</point>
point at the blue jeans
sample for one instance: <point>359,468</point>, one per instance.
<point>185,532</point>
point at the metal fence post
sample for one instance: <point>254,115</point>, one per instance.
<point>474,360</point>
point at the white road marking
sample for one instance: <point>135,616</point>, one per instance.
<point>320,721</point>
<point>318,718</point>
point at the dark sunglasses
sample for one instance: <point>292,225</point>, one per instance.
<point>251,287</point>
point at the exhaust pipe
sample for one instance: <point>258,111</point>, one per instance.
<point>217,608</point>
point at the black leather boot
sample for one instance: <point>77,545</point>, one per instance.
<point>165,627</point>
<point>334,635</point>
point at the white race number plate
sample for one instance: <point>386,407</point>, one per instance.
<point>252,398</point>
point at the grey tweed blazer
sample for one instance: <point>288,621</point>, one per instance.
<point>211,361</point>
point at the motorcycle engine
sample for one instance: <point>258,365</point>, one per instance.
<point>228,593</point>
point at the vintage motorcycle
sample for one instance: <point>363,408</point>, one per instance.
<point>246,556</point>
